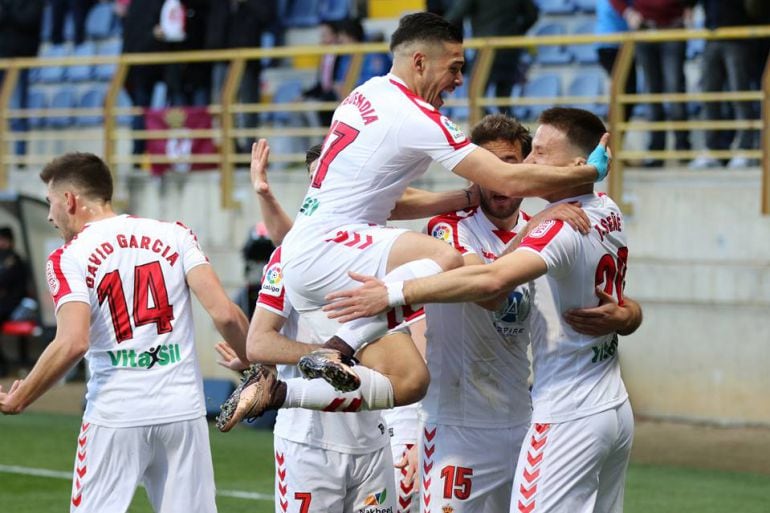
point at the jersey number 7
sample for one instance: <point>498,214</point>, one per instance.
<point>148,282</point>
<point>340,137</point>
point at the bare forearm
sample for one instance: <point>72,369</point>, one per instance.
<point>234,329</point>
<point>467,283</point>
<point>272,348</point>
<point>418,203</point>
<point>277,221</point>
<point>530,180</point>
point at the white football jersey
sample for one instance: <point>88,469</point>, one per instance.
<point>351,433</point>
<point>404,423</point>
<point>577,375</point>
<point>141,355</point>
<point>382,137</point>
<point>477,358</point>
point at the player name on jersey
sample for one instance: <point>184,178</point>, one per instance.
<point>105,249</point>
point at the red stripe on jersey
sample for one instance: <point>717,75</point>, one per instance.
<point>542,235</point>
<point>57,282</point>
<point>273,294</point>
<point>449,221</point>
<point>433,114</point>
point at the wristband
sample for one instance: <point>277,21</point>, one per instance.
<point>395,293</point>
<point>600,159</point>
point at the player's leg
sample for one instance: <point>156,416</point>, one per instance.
<point>499,498</point>
<point>370,482</point>
<point>612,478</point>
<point>181,474</point>
<point>308,479</point>
<point>108,464</point>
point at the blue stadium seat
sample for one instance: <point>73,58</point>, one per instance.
<point>50,74</point>
<point>64,98</point>
<point>547,85</point>
<point>46,24</point>
<point>91,99</point>
<point>587,6</point>
<point>556,6</point>
<point>82,72</point>
<point>37,100</point>
<point>589,84</point>
<point>286,92</point>
<point>101,21</point>
<point>302,13</point>
<point>124,101</point>
<point>216,391</point>
<point>104,72</point>
<point>695,48</point>
<point>334,10</point>
<point>552,54</point>
<point>586,53</point>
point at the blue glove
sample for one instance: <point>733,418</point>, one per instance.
<point>600,159</point>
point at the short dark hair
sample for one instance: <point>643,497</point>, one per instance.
<point>495,127</point>
<point>312,154</point>
<point>351,27</point>
<point>426,27</point>
<point>85,171</point>
<point>583,129</point>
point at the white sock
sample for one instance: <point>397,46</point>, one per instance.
<point>360,332</point>
<point>375,393</point>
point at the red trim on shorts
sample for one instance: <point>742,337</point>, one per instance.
<point>81,468</point>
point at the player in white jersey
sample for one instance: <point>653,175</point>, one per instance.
<point>576,451</point>
<point>121,289</point>
<point>383,136</point>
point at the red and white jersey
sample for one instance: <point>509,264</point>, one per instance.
<point>477,358</point>
<point>577,375</point>
<point>351,433</point>
<point>404,423</point>
<point>382,137</point>
<point>141,355</point>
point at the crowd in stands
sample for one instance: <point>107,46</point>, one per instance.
<point>87,27</point>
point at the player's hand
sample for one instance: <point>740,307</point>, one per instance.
<point>260,153</point>
<point>608,317</point>
<point>570,213</point>
<point>409,462</point>
<point>8,404</point>
<point>229,359</point>
<point>366,301</point>
<point>601,157</point>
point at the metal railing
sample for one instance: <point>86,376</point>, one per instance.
<point>227,108</point>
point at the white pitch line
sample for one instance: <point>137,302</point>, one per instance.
<point>56,474</point>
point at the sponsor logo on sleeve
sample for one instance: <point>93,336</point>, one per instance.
<point>273,282</point>
<point>442,231</point>
<point>541,229</point>
<point>454,131</point>
<point>50,276</point>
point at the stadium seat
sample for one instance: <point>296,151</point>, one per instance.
<point>37,100</point>
<point>101,21</point>
<point>104,72</point>
<point>302,13</point>
<point>552,54</point>
<point>556,6</point>
<point>589,84</point>
<point>547,85</point>
<point>81,72</point>
<point>286,92</point>
<point>50,74</point>
<point>46,23</point>
<point>216,391</point>
<point>64,98</point>
<point>587,6</point>
<point>124,101</point>
<point>695,48</point>
<point>334,10</point>
<point>585,53</point>
<point>91,99</point>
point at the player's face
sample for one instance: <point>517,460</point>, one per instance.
<point>550,146</point>
<point>492,203</point>
<point>442,73</point>
<point>58,212</point>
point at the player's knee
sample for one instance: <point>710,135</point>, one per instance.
<point>412,387</point>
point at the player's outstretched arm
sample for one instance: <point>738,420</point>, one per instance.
<point>528,180</point>
<point>419,203</point>
<point>265,343</point>
<point>467,283</point>
<point>229,320</point>
<point>608,317</point>
<point>67,348</point>
<point>277,221</point>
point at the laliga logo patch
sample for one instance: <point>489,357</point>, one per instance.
<point>442,231</point>
<point>541,229</point>
<point>273,282</point>
<point>50,276</point>
<point>453,129</point>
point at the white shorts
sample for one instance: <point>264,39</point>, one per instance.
<point>577,466</point>
<point>172,461</point>
<point>323,264</point>
<point>408,500</point>
<point>468,469</point>
<point>313,480</point>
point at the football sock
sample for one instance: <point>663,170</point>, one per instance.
<point>375,393</point>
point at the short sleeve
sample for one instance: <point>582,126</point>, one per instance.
<point>66,280</point>
<point>555,242</point>
<point>272,295</point>
<point>449,229</point>
<point>190,249</point>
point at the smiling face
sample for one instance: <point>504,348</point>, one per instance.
<point>496,205</point>
<point>439,71</point>
<point>550,146</point>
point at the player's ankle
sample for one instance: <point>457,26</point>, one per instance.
<point>340,345</point>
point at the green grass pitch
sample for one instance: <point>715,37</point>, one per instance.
<point>243,462</point>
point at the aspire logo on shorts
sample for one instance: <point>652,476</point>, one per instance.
<point>373,501</point>
<point>453,129</point>
<point>442,231</point>
<point>273,282</point>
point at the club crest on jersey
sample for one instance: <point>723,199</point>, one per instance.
<point>50,276</point>
<point>510,317</point>
<point>442,231</point>
<point>454,130</point>
<point>541,229</point>
<point>273,282</point>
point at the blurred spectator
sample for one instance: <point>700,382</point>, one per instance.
<point>328,69</point>
<point>189,83</point>
<point>20,22</point>
<point>13,281</point>
<point>350,32</point>
<point>140,30</point>
<point>609,21</point>
<point>726,64</point>
<point>256,254</point>
<point>60,9</point>
<point>438,6</point>
<point>499,18</point>
<point>661,64</point>
<point>240,24</point>
<point>375,64</point>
